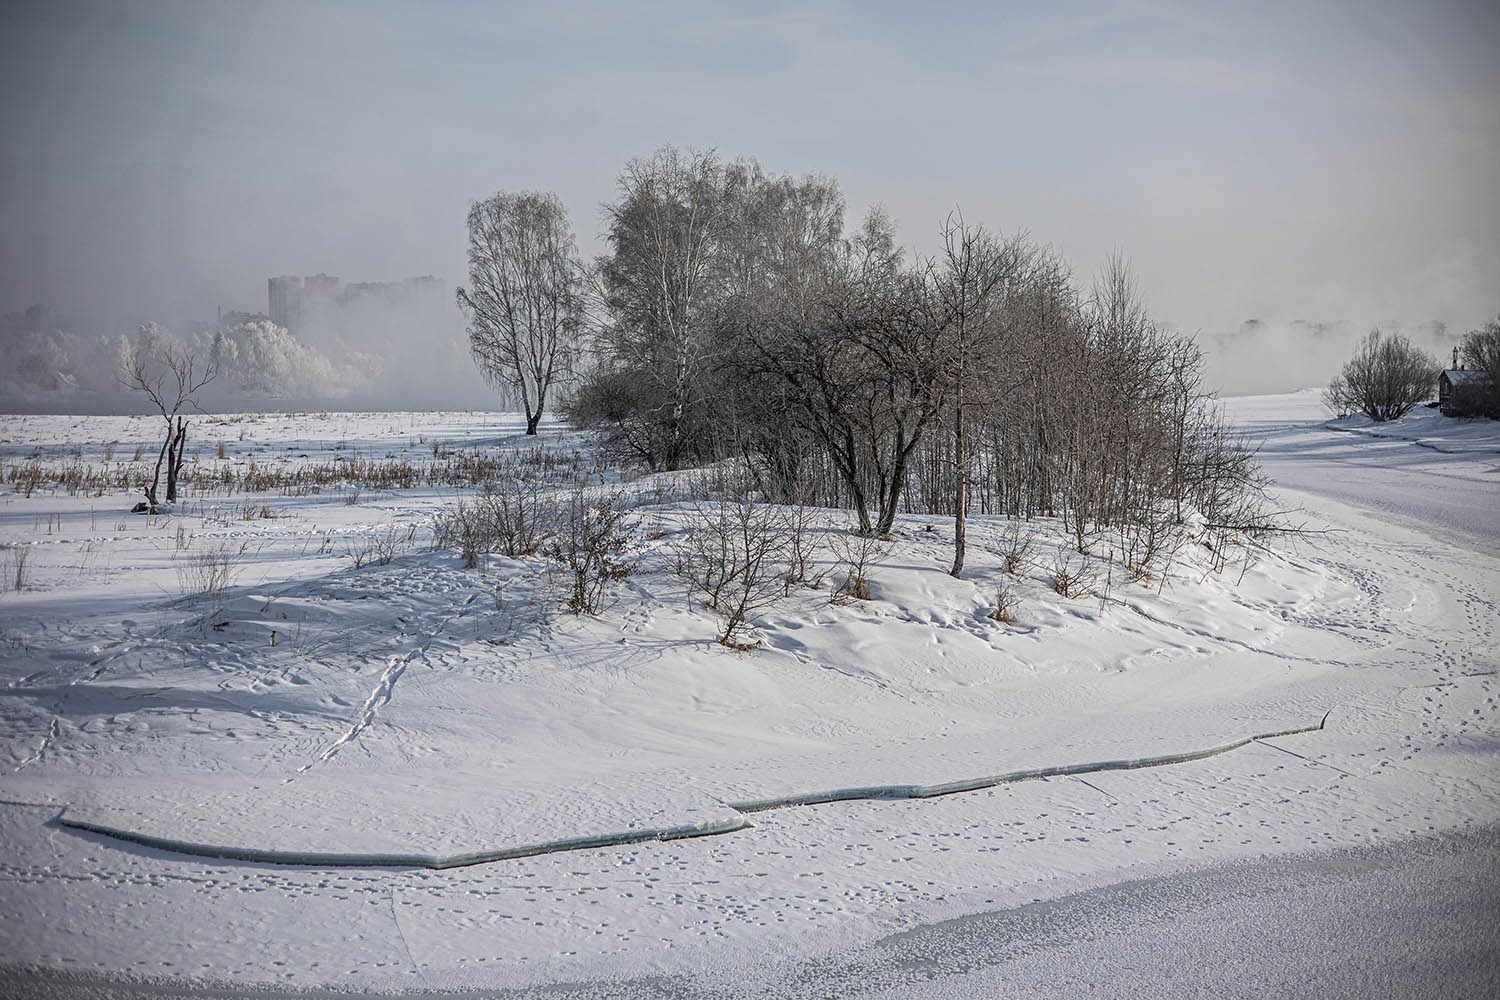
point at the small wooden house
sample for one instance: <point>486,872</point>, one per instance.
<point>1463,392</point>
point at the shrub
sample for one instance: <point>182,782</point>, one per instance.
<point>1015,550</point>
<point>590,543</point>
<point>855,552</point>
<point>1006,602</point>
<point>735,553</point>
<point>1387,376</point>
<point>208,573</point>
<point>1071,575</point>
<point>378,548</point>
<point>15,572</point>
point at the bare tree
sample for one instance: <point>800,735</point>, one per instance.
<point>1387,376</point>
<point>861,368</point>
<point>168,374</point>
<point>657,281</point>
<point>525,304</point>
<point>1481,352</point>
<point>969,281</point>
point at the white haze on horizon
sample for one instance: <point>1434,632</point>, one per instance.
<point>1277,160</point>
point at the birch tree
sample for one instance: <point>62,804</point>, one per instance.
<point>525,302</point>
<point>658,280</point>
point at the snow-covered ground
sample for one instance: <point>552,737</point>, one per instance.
<point>397,776</point>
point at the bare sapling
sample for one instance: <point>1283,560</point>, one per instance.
<point>168,375</point>
<point>806,537</point>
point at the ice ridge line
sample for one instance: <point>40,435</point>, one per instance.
<point>1010,777</point>
<point>322,859</point>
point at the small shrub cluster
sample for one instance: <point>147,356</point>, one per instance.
<point>740,554</point>
<point>591,544</point>
<point>208,573</point>
<point>586,532</point>
<point>378,548</point>
<point>15,572</point>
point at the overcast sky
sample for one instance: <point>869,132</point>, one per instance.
<point>1282,161</point>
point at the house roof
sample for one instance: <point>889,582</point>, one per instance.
<point>1466,377</point>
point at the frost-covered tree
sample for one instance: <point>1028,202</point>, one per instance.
<point>659,281</point>
<point>525,303</point>
<point>263,359</point>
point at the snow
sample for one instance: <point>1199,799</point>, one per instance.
<point>272,785</point>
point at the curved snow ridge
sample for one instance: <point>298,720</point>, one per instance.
<point>1010,777</point>
<point>330,859</point>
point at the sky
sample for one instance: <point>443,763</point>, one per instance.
<point>1280,161</point>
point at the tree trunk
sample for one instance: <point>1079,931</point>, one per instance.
<point>156,473</point>
<point>961,498</point>
<point>175,445</point>
<point>532,419</point>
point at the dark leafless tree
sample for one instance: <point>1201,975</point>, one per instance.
<point>167,374</point>
<point>1481,352</point>
<point>525,302</point>
<point>1387,376</point>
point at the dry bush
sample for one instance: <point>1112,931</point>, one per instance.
<point>465,527</point>
<point>378,548</point>
<point>521,513</point>
<point>590,543</point>
<point>16,569</point>
<point>208,573</point>
<point>516,515</point>
<point>735,553</point>
<point>1015,549</point>
<point>807,536</point>
<point>1006,603</point>
<point>1072,575</point>
<point>1147,549</point>
<point>855,554</point>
